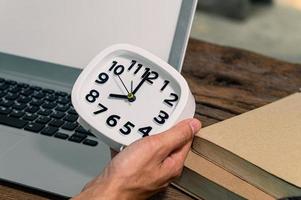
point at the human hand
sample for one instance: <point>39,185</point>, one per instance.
<point>145,167</point>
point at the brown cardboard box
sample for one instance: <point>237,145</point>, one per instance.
<point>262,146</point>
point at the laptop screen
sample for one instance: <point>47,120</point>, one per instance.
<point>72,32</point>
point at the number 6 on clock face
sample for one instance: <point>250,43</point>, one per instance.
<point>126,93</point>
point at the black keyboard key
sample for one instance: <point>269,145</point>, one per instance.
<point>6,103</point>
<point>2,94</point>
<point>61,94</point>
<point>38,95</point>
<point>80,135</point>
<point>23,99</point>
<point>3,86</point>
<point>63,101</point>
<point>71,118</point>
<point>43,120</point>
<point>23,85</point>
<point>19,106</point>
<point>49,131</point>
<point>11,96</point>
<point>5,111</point>
<point>50,98</point>
<point>11,82</point>
<point>70,126</point>
<point>62,136</point>
<point>30,117</point>
<point>62,108</point>
<point>56,123</point>
<point>45,112</point>
<point>48,91</point>
<point>72,111</point>
<point>15,90</point>
<point>89,142</point>
<point>80,129</point>
<point>34,127</point>
<point>32,109</point>
<point>36,88</point>
<point>49,105</point>
<point>17,114</point>
<point>77,137</point>
<point>36,102</point>
<point>2,80</point>
<point>57,115</point>
<point>12,121</point>
<point>27,92</point>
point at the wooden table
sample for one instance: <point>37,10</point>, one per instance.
<point>226,82</point>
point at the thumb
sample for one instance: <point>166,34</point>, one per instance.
<point>179,135</point>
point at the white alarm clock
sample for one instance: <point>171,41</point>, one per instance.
<point>127,93</point>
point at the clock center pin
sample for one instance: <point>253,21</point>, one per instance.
<point>131,97</point>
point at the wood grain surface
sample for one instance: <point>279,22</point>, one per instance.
<point>225,82</point>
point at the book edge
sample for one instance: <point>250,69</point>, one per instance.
<point>238,160</point>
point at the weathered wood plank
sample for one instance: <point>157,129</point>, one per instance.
<point>229,81</point>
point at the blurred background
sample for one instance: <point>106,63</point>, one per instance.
<point>269,27</point>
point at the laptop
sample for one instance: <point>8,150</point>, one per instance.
<point>44,45</point>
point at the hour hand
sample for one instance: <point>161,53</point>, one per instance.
<point>118,96</point>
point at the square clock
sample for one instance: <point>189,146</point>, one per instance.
<point>126,93</point>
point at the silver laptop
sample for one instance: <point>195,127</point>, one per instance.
<point>43,47</point>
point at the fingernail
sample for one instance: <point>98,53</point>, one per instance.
<point>195,125</point>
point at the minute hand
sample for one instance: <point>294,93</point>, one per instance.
<point>140,84</point>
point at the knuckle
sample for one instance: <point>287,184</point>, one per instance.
<point>153,143</point>
<point>159,141</point>
<point>188,131</point>
<point>175,169</point>
<point>178,172</point>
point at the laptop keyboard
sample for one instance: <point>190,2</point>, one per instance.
<point>42,111</point>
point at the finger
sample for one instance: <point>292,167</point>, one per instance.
<point>173,165</point>
<point>178,136</point>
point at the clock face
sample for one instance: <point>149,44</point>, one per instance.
<point>127,97</point>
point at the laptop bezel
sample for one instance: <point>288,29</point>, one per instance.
<point>182,33</point>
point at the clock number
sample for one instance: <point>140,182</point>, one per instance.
<point>146,72</point>
<point>102,78</point>
<point>102,109</point>
<point>152,76</point>
<point>163,116</point>
<point>173,99</point>
<point>138,69</point>
<point>92,96</point>
<point>132,65</point>
<point>165,84</point>
<point>145,131</point>
<point>113,66</point>
<point>127,128</point>
<point>112,120</point>
<point>118,70</point>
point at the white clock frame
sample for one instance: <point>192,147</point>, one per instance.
<point>185,107</point>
